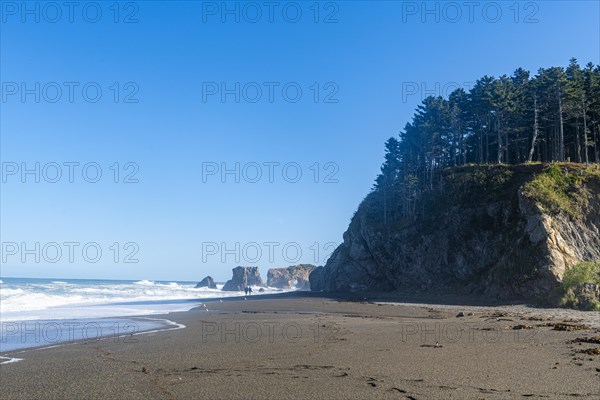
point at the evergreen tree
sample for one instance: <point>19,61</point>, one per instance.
<point>552,116</point>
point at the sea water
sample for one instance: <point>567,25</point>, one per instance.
<point>46,312</point>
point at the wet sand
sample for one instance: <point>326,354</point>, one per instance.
<point>303,345</point>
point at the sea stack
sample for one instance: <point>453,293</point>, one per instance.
<point>292,277</point>
<point>243,277</point>
<point>207,282</point>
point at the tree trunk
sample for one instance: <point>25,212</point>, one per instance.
<point>385,202</point>
<point>463,150</point>
<point>585,138</point>
<point>431,171</point>
<point>487,141</point>
<point>499,138</point>
<point>480,148</point>
<point>547,142</point>
<point>535,129</point>
<point>596,148</point>
<point>557,140</point>
<point>577,143</point>
<point>561,135</point>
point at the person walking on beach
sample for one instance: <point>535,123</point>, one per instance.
<point>246,290</point>
<point>249,290</point>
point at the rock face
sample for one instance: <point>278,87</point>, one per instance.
<point>243,277</point>
<point>497,240</point>
<point>294,276</point>
<point>207,282</point>
<point>317,279</point>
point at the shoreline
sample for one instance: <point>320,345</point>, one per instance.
<point>449,302</point>
<point>122,320</point>
<point>45,334</point>
<point>306,344</point>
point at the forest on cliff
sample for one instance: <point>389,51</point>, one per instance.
<point>553,116</point>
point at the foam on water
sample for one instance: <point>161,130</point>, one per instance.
<point>37,299</point>
<point>144,283</point>
<point>8,360</point>
<point>43,313</point>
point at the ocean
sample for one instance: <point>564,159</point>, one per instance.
<point>44,312</point>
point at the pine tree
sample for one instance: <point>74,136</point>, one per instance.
<point>551,116</point>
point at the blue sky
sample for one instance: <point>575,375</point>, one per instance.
<point>161,69</point>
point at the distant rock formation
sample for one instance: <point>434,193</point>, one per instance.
<point>207,282</point>
<point>243,277</point>
<point>292,277</point>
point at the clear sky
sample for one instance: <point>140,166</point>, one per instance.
<point>176,92</point>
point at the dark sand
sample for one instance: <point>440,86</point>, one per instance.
<point>314,347</point>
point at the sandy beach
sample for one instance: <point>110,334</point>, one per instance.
<point>306,345</point>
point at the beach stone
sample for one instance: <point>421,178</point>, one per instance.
<point>460,314</point>
<point>207,282</point>
<point>243,277</point>
<point>292,277</point>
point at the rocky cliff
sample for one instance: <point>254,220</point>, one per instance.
<point>502,232</point>
<point>294,276</point>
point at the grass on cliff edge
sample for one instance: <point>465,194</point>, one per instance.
<point>573,281</point>
<point>556,188</point>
